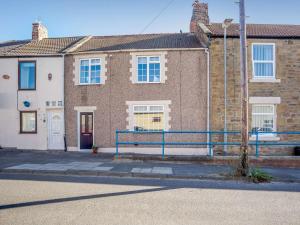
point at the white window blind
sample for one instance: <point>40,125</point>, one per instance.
<point>263,60</point>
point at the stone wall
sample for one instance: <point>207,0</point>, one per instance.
<point>286,86</point>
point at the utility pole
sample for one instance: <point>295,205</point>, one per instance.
<point>243,167</point>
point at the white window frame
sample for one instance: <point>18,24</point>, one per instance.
<point>148,111</point>
<point>264,61</point>
<point>148,69</point>
<point>90,63</point>
<point>274,118</point>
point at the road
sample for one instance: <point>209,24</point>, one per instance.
<point>43,200</point>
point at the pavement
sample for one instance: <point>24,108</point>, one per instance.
<point>75,163</point>
<point>31,199</point>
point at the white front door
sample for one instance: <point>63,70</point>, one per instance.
<point>55,130</point>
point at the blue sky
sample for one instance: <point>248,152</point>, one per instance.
<point>110,17</point>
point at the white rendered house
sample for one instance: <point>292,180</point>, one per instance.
<point>32,91</point>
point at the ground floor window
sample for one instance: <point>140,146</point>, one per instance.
<point>148,117</point>
<point>28,121</point>
<point>263,118</point>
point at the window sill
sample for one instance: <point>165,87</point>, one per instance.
<point>268,80</point>
<point>148,82</point>
<point>264,138</point>
<point>88,84</point>
<point>22,132</point>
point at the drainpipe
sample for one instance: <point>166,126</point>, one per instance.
<point>225,89</point>
<point>225,25</point>
<point>63,88</point>
<point>208,97</point>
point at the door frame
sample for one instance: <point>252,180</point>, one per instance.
<point>48,128</point>
<point>79,125</point>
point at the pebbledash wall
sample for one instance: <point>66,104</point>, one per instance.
<point>12,101</point>
<point>183,92</point>
<point>284,92</point>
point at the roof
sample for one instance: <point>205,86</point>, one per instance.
<point>44,47</point>
<point>257,30</point>
<point>140,41</point>
<point>10,45</point>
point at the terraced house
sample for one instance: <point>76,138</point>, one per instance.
<point>150,82</point>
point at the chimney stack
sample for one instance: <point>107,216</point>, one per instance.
<point>200,14</point>
<point>39,31</point>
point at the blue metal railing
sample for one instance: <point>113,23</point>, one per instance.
<point>261,134</point>
<point>209,143</point>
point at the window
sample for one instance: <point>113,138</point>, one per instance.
<point>148,69</point>
<point>27,75</point>
<point>148,117</point>
<point>263,118</point>
<point>28,122</point>
<point>90,71</point>
<point>60,103</point>
<point>263,61</point>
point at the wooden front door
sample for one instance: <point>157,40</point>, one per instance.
<point>86,130</point>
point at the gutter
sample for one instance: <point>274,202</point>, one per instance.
<point>137,50</point>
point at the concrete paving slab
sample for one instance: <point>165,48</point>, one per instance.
<point>86,164</point>
<point>103,168</point>
<point>141,170</point>
<point>162,170</point>
<point>146,170</point>
<point>26,167</point>
<point>135,170</point>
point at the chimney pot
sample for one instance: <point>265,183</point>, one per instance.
<point>39,31</point>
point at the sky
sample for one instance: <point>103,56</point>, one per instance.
<point>112,17</point>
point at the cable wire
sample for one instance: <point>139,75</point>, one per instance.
<point>158,15</point>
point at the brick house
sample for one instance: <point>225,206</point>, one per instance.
<point>273,54</point>
<point>135,82</point>
<point>161,82</point>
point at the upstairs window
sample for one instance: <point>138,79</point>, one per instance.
<point>148,117</point>
<point>263,118</point>
<point>148,70</point>
<point>27,75</point>
<point>90,70</point>
<point>263,61</point>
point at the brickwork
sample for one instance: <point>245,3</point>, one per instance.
<point>39,31</point>
<point>200,14</point>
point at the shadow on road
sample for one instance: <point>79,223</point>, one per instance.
<point>78,198</point>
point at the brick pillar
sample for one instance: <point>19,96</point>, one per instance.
<point>39,31</point>
<point>200,14</point>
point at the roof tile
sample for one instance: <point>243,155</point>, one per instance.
<point>258,30</point>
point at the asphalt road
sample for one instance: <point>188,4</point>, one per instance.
<point>43,200</point>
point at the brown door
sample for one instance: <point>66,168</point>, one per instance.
<point>86,130</point>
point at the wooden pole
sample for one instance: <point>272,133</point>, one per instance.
<point>243,167</point>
